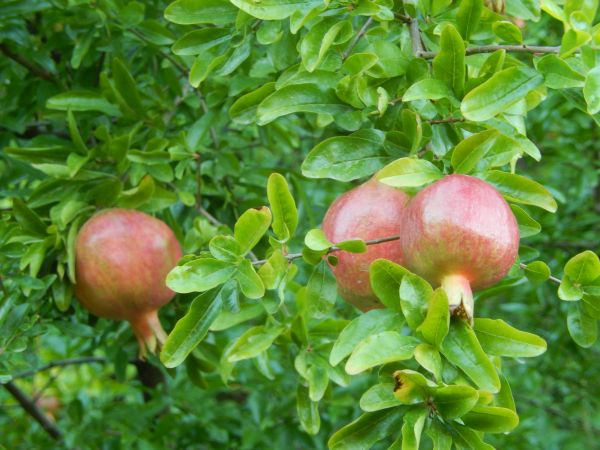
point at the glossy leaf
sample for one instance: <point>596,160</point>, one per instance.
<point>308,411</point>
<point>491,419</point>
<point>192,12</point>
<point>366,430</point>
<point>321,291</point>
<point>519,189</point>
<point>437,321</point>
<point>253,342</point>
<point>582,327</point>
<point>378,397</point>
<point>248,280</point>
<point>380,348</point>
<point>283,207</point>
<point>455,400</point>
<point>415,293</point>
<point>499,338</point>
<point>409,172</point>
<point>449,64</point>
<point>251,227</point>
<point>200,275</point>
<point>385,278</point>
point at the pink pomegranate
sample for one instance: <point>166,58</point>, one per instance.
<point>122,260</point>
<point>461,234</point>
<point>372,210</point>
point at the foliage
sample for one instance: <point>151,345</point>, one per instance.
<point>237,123</point>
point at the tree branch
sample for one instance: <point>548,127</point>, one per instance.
<point>61,363</point>
<point>31,408</point>
<point>415,37</point>
<point>359,35</point>
<point>535,49</point>
<point>29,65</point>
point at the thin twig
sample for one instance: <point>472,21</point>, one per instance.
<point>359,35</point>
<point>29,65</point>
<point>415,37</point>
<point>447,120</point>
<point>60,363</point>
<point>335,248</point>
<point>212,219</point>
<point>168,56</point>
<point>535,49</point>
<point>32,409</point>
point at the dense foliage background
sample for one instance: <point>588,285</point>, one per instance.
<point>184,111</point>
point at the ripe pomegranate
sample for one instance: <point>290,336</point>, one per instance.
<point>372,210</point>
<point>461,234</point>
<point>122,260</point>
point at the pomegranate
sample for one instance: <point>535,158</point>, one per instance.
<point>122,260</point>
<point>461,234</point>
<point>372,210</point>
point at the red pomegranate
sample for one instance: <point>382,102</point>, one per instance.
<point>461,234</point>
<point>372,210</point>
<point>122,260</point>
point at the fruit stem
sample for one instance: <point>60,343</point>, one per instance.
<point>460,296</point>
<point>149,333</point>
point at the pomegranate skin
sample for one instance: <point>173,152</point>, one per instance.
<point>122,259</point>
<point>460,227</point>
<point>370,211</point>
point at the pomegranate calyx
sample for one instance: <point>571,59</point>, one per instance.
<point>460,296</point>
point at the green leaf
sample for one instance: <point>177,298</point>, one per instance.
<point>321,291</point>
<point>537,272</point>
<point>308,411</point>
<point>427,89</point>
<point>385,278</point>
<point>468,17</point>
<point>380,348</point>
<point>346,158</point>
<point>501,91</point>
<point>499,338</point>
<point>316,240</point>
<point>352,246</point>
<point>296,98</point>
<point>250,283</point>
<point>583,269</point>
<point>527,225</point>
<point>569,291</point>
<point>225,248</point>
<point>126,86</point>
<point>370,323</point>
<point>467,438</point>
<point>462,349</point>
<point>365,431</point>
<point>274,9</point>
<point>75,135</point>
<point>82,101</point>
<point>227,319</point>
<point>244,109</point>
<point>582,327</point>
<point>558,74</point>
<point>414,421</point>
<point>378,397</point>
<point>192,328</point>
<point>591,90</point>
<point>253,342</point>
<point>192,12</point>
<point>283,207</point>
<point>411,387</point>
<point>508,32</point>
<point>409,172</point>
<point>491,419</point>
<point>318,40</point>
<point>429,358</point>
<point>199,41</point>
<point>518,189</point>
<point>137,196</point>
<point>318,380</point>
<point>482,151</point>
<point>251,227</point>
<point>200,275</point>
<point>437,321</point>
<point>449,64</point>
<point>440,437</point>
<point>454,401</point>
<point>28,219</point>
<point>415,293</point>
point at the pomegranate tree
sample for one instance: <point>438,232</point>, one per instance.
<point>372,210</point>
<point>122,260</point>
<point>461,234</point>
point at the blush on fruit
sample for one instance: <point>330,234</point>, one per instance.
<point>122,260</point>
<point>370,211</point>
<point>461,234</point>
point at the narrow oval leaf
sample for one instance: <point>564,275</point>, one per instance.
<point>253,342</point>
<point>367,324</point>
<point>248,280</point>
<point>385,278</point>
<point>381,348</point>
<point>582,327</point>
<point>455,401</point>
<point>415,293</point>
<point>346,158</point>
<point>378,397</point>
<point>321,291</point>
<point>499,338</point>
<point>251,227</point>
<point>449,64</point>
<point>365,431</point>
<point>462,349</point>
<point>82,101</point>
<point>468,16</point>
<point>409,172</point>
<point>518,189</point>
<point>591,90</point>
<point>192,12</point>
<point>308,411</point>
<point>283,207</point>
<point>499,92</point>
<point>192,328</point>
<point>437,321</point>
<point>491,419</point>
<point>537,272</point>
<point>527,225</point>
<point>199,275</point>
<point>427,89</point>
